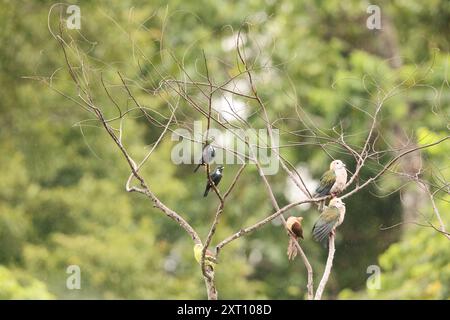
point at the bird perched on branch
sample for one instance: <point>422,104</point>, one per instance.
<point>216,176</point>
<point>330,218</point>
<point>208,153</point>
<point>294,225</point>
<point>332,181</point>
<point>210,259</point>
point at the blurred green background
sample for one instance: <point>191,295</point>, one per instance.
<point>62,194</point>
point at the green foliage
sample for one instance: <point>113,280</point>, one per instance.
<point>416,268</point>
<point>17,285</point>
<point>62,185</point>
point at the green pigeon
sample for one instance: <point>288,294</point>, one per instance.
<point>332,181</point>
<point>330,218</point>
<point>208,153</point>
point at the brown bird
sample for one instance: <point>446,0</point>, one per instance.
<point>294,225</point>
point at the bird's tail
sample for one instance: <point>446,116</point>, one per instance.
<point>292,249</point>
<point>206,191</point>
<point>325,242</point>
<point>196,168</point>
<point>322,233</point>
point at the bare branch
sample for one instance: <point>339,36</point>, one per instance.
<point>328,266</point>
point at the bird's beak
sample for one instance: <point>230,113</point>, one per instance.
<point>344,165</point>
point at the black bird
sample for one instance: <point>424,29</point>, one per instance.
<point>208,153</point>
<point>216,176</point>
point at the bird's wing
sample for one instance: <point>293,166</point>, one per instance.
<point>209,256</point>
<point>297,229</point>
<point>216,176</point>
<point>326,183</point>
<point>208,153</point>
<point>216,179</point>
<point>325,224</point>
